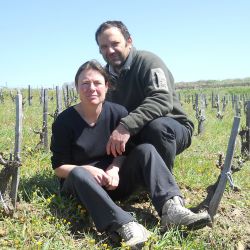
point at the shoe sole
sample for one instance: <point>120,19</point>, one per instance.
<point>192,226</point>
<point>115,238</point>
<point>138,246</point>
<point>200,224</point>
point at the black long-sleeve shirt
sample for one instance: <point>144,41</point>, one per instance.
<point>74,142</point>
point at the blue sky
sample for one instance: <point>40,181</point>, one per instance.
<point>43,42</point>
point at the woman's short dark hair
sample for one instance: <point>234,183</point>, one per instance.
<point>92,64</point>
<point>108,24</point>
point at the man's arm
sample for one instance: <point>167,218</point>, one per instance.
<point>159,98</point>
<point>117,141</point>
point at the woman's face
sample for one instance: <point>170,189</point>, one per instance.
<point>91,87</point>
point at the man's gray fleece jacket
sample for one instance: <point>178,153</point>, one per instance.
<point>145,87</point>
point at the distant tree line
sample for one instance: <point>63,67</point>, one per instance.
<point>213,83</point>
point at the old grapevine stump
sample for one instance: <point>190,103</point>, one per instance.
<point>9,175</point>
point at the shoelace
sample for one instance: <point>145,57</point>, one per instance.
<point>178,209</point>
<point>127,232</point>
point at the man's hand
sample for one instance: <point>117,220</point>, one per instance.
<point>117,141</point>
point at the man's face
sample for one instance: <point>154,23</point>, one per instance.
<point>113,47</point>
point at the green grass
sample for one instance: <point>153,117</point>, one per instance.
<point>45,220</point>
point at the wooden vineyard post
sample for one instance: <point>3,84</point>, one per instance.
<point>245,133</point>
<point>41,96</point>
<point>212,98</point>
<point>226,172</point>
<point>217,103</point>
<point>1,96</point>
<point>248,128</point>
<point>67,95</point>
<point>232,99</point>
<point>237,109</point>
<point>29,95</point>
<point>17,150</point>
<point>202,116</point>
<point>65,98</point>
<point>196,105</point>
<point>45,119</point>
<point>224,104</point>
<point>58,100</point>
<point>44,132</point>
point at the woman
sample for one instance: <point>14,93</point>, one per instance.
<point>78,144</point>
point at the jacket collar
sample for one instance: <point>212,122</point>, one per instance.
<point>126,65</point>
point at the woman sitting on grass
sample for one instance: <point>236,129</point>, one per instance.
<point>78,144</point>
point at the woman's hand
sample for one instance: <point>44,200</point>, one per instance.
<point>113,173</point>
<point>102,178</point>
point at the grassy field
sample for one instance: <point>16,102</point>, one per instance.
<point>45,220</point>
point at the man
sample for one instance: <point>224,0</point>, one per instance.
<point>143,84</point>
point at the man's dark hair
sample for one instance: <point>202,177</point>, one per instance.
<point>108,24</point>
